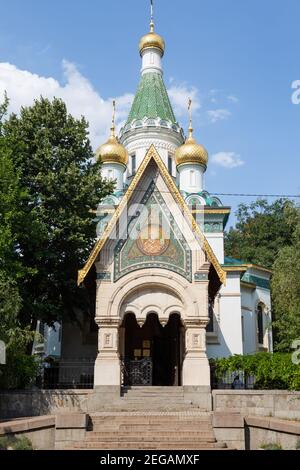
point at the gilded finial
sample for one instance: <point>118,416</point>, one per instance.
<point>191,118</point>
<point>152,18</point>
<point>112,151</point>
<point>152,39</point>
<point>113,126</point>
<point>191,152</point>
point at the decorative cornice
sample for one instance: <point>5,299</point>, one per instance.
<point>259,268</point>
<point>234,268</point>
<point>146,143</point>
<point>152,153</point>
<point>248,285</point>
<point>258,281</point>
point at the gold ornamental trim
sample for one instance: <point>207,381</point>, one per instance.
<point>210,211</point>
<point>242,268</point>
<point>152,153</point>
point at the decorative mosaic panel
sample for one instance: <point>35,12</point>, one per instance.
<point>200,277</point>
<point>154,240</point>
<point>105,276</point>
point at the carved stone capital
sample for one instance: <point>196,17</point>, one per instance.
<point>106,322</point>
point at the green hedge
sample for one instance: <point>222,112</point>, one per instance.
<point>271,371</point>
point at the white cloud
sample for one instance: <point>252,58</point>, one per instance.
<point>227,159</point>
<point>179,96</point>
<point>78,93</point>
<point>218,115</point>
<point>233,99</point>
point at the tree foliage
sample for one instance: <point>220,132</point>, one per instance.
<point>54,158</point>
<point>269,235</point>
<point>286,288</point>
<point>19,369</point>
<point>262,229</point>
<point>271,371</point>
<point>49,187</point>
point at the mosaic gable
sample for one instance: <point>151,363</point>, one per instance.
<point>153,241</point>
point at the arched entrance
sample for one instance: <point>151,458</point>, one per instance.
<point>153,353</point>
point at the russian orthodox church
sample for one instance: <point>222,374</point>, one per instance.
<point>166,298</point>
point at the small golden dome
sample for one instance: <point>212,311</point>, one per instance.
<point>112,151</point>
<point>191,152</point>
<point>152,39</point>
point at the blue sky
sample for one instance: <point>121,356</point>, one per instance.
<point>237,59</point>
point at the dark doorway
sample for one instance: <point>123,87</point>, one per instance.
<point>153,347</point>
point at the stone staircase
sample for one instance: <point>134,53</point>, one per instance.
<point>182,430</point>
<point>150,418</point>
<point>154,398</point>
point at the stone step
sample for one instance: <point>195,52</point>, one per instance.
<point>144,393</point>
<point>143,408</point>
<point>145,446</point>
<point>148,427</point>
<point>150,402</point>
<point>148,418</point>
<point>151,436</point>
<point>153,389</point>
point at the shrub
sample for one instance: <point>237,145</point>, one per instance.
<point>271,446</point>
<point>19,372</point>
<point>15,443</point>
<point>271,371</point>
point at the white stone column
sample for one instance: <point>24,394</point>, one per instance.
<point>107,365</point>
<point>195,369</point>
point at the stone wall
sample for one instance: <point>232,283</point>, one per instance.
<point>272,403</point>
<point>261,431</point>
<point>43,402</point>
<point>230,428</point>
<point>252,432</point>
<point>40,431</point>
<point>106,398</point>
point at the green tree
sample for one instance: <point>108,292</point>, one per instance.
<point>262,229</point>
<point>20,368</point>
<point>52,152</point>
<point>286,288</point>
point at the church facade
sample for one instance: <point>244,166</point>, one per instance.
<point>166,297</point>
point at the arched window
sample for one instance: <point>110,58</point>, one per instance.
<point>192,178</point>
<point>133,164</point>
<point>260,325</point>
<point>170,164</point>
<point>110,175</point>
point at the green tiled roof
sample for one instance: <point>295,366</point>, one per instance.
<point>151,100</point>
<point>233,262</point>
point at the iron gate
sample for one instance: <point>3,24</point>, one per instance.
<point>137,372</point>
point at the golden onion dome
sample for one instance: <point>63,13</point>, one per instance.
<point>191,152</point>
<point>152,39</point>
<point>112,151</point>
